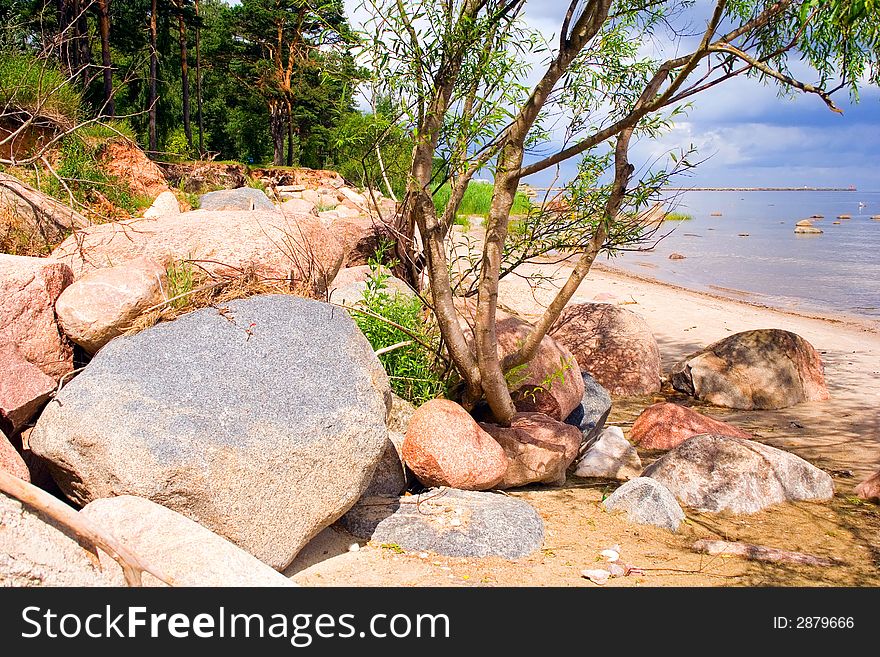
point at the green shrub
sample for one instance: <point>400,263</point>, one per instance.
<point>677,216</point>
<point>412,369</point>
<point>177,147</point>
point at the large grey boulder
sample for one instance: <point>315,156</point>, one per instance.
<point>243,198</point>
<point>591,414</point>
<point>646,502</point>
<point>451,522</point>
<point>262,420</point>
<point>34,551</point>
<point>720,473</point>
<point>184,550</point>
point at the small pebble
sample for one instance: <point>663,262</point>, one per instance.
<point>354,547</point>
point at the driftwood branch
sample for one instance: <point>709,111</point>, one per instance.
<point>760,553</point>
<point>133,566</point>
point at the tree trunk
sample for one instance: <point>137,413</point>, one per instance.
<point>485,337</point>
<point>67,52</point>
<point>278,127</point>
<point>84,50</point>
<point>291,133</point>
<point>106,61</point>
<point>184,74</point>
<point>199,81</point>
<point>154,143</point>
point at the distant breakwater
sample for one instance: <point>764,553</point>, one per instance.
<point>724,189</point>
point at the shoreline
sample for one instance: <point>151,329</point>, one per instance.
<point>840,317</point>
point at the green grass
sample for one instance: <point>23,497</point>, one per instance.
<point>37,87</point>
<point>678,216</point>
<point>181,281</point>
<point>478,200</point>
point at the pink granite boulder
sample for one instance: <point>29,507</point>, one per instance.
<point>613,344</point>
<point>666,426</point>
<point>869,489</point>
<point>29,288</point>
<point>539,449</point>
<point>24,388</point>
<point>11,461</point>
<point>762,369</point>
<point>444,446</point>
<point>103,303</point>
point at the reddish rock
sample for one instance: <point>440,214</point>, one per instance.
<point>444,446</point>
<point>11,461</point>
<point>666,426</point>
<point>24,388</point>
<point>29,288</point>
<point>762,369</point>
<point>613,344</point>
<point>551,383</point>
<point>539,449</point>
<point>869,489</point>
<point>278,245</point>
<point>103,303</point>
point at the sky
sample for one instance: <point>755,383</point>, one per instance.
<point>749,137</point>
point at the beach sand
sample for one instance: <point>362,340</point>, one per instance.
<point>841,435</point>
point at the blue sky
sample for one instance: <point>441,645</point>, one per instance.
<point>751,137</point>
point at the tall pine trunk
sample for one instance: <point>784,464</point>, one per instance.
<point>278,126</point>
<point>154,143</point>
<point>199,81</point>
<point>84,50</point>
<point>289,135</point>
<point>184,73</point>
<point>106,61</point>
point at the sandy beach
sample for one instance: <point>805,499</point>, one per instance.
<point>841,435</point>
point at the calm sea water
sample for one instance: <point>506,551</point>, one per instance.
<point>836,272</point>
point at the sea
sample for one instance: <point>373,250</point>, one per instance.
<point>742,244</point>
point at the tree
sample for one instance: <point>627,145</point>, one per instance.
<point>456,68</point>
<point>154,65</point>
<point>103,9</point>
<point>181,10</point>
<point>279,39</point>
<point>199,114</point>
